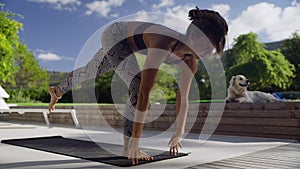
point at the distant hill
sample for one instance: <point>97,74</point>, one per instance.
<point>273,45</point>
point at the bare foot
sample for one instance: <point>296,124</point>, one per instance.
<point>53,91</point>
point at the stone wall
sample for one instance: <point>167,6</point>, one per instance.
<point>273,120</point>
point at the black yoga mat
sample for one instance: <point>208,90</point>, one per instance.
<point>87,150</point>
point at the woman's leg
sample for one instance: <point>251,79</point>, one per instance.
<point>131,75</point>
<point>133,78</point>
<point>98,65</point>
<point>125,65</point>
<point>130,109</point>
<point>129,71</point>
<point>103,61</point>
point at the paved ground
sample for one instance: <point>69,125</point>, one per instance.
<point>217,152</point>
<point>283,157</point>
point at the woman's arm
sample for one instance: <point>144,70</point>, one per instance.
<point>153,61</point>
<point>158,46</point>
<point>147,83</point>
<point>182,101</point>
<point>188,69</point>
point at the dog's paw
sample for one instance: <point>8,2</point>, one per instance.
<point>244,100</point>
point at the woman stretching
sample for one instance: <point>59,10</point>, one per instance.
<point>161,45</point>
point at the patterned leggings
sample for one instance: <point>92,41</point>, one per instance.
<point>112,56</point>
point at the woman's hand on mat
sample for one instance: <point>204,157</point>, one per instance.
<point>134,154</point>
<point>54,92</point>
<point>174,143</point>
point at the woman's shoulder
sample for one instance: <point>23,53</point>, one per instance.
<point>160,37</point>
<point>151,27</point>
<point>155,34</point>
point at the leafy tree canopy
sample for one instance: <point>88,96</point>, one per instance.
<point>18,67</point>
<point>291,50</point>
<point>265,69</point>
<point>9,43</point>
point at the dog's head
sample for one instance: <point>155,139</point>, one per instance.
<point>239,81</point>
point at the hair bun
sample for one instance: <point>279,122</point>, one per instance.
<point>197,13</point>
<point>193,14</point>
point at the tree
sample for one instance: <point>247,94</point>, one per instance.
<point>210,78</point>
<point>246,48</point>
<point>9,42</point>
<point>18,67</point>
<point>291,50</point>
<point>29,75</point>
<point>265,69</point>
<point>109,87</point>
<point>166,85</point>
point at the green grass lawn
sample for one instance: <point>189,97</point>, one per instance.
<point>103,104</point>
<point>61,104</point>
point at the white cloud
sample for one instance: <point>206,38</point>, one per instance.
<point>103,8</point>
<point>69,5</point>
<point>162,4</point>
<point>141,16</point>
<point>266,18</point>
<point>180,20</point>
<point>223,9</point>
<point>175,17</point>
<point>49,56</point>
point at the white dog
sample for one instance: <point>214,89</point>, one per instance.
<point>237,92</point>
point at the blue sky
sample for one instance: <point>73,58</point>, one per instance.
<point>56,30</point>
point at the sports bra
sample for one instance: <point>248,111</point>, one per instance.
<point>140,44</point>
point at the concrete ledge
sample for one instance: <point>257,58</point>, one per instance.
<point>272,120</point>
<point>44,112</point>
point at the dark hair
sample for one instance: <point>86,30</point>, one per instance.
<point>212,24</point>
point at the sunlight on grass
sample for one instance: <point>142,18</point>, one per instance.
<point>109,104</point>
<point>64,104</point>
